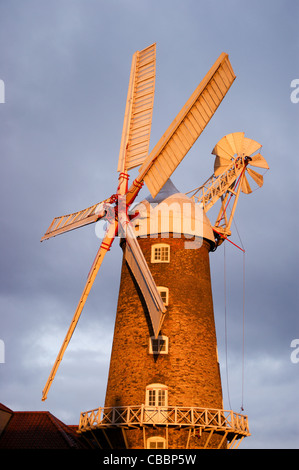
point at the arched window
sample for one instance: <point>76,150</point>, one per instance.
<point>160,253</point>
<point>156,395</point>
<point>156,442</point>
<point>156,404</point>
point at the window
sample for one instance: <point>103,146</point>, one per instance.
<point>164,294</point>
<point>156,442</point>
<point>156,395</point>
<point>160,253</point>
<point>156,403</point>
<point>158,345</point>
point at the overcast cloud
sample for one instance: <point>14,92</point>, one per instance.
<point>65,65</point>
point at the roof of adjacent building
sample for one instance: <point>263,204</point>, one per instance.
<point>36,430</point>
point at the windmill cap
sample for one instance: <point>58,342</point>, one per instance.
<point>167,190</point>
<point>171,212</point>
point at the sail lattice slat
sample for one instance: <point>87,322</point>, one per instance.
<point>187,126</point>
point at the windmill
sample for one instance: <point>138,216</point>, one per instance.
<point>141,359</point>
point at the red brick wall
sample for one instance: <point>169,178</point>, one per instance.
<point>190,370</point>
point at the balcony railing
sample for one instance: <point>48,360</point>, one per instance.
<point>138,416</point>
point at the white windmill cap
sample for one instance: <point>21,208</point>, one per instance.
<point>171,212</point>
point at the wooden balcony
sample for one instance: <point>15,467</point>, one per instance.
<point>231,425</point>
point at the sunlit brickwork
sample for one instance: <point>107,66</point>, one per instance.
<point>190,370</point>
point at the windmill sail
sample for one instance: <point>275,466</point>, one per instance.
<point>68,222</point>
<point>105,246</point>
<point>144,278</point>
<point>187,126</point>
<point>139,109</point>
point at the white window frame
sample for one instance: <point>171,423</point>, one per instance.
<point>160,338</point>
<point>156,395</point>
<point>165,290</point>
<point>154,258</point>
<point>156,440</point>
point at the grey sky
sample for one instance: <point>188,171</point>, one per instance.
<point>65,65</point>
